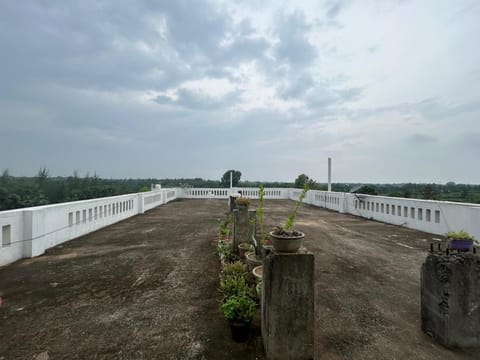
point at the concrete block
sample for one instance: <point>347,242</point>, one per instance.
<point>241,226</point>
<point>288,305</point>
<point>450,299</point>
<point>231,203</point>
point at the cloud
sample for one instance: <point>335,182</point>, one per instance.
<point>334,7</point>
<point>193,100</point>
<point>271,87</point>
<point>420,139</point>
<point>293,44</point>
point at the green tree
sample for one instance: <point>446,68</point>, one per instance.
<point>429,192</point>
<point>367,190</point>
<point>225,180</point>
<point>303,179</point>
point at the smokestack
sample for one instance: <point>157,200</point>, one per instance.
<point>329,174</point>
<point>231,179</point>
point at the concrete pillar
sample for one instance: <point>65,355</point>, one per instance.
<point>141,209</point>
<point>450,298</point>
<point>34,232</point>
<point>241,226</point>
<point>288,305</point>
<point>231,203</point>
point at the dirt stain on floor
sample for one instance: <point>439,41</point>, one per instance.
<point>146,288</point>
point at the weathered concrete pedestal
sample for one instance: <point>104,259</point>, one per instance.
<point>288,305</point>
<point>241,226</point>
<point>450,297</point>
<point>231,203</point>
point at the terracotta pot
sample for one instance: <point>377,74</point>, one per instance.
<point>288,244</point>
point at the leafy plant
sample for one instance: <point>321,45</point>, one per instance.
<point>261,214</point>
<point>225,250</point>
<point>234,285</point>
<point>239,308</point>
<point>286,230</point>
<point>225,225</point>
<point>293,214</point>
<point>242,201</point>
<point>222,247</point>
<point>459,235</point>
<point>235,269</point>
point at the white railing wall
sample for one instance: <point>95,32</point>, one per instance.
<point>436,217</point>
<point>29,232</point>
<point>215,193</point>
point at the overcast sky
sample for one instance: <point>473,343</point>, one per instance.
<point>389,89</point>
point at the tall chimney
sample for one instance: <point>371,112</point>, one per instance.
<point>329,174</point>
<point>231,179</point>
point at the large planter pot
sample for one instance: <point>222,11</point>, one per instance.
<point>288,244</point>
<point>242,250</point>
<point>240,331</point>
<point>461,244</point>
<point>258,273</point>
<point>252,260</point>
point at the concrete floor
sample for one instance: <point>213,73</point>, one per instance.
<point>146,288</point>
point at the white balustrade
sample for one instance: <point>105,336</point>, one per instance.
<point>29,232</point>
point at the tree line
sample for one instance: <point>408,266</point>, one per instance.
<point>42,189</point>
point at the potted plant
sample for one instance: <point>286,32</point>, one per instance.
<point>224,225</point>
<point>260,216</point>
<point>234,285</point>
<point>285,238</point>
<point>242,202</point>
<point>258,273</point>
<point>239,311</point>
<point>226,253</point>
<point>460,240</point>
<point>244,248</point>
<point>236,268</point>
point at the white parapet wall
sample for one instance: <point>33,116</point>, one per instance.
<point>435,217</point>
<point>29,232</point>
<point>216,193</point>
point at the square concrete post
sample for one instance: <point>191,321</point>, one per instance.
<point>288,302</point>
<point>450,297</point>
<point>231,203</point>
<point>241,226</point>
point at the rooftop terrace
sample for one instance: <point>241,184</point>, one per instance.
<point>146,288</point>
